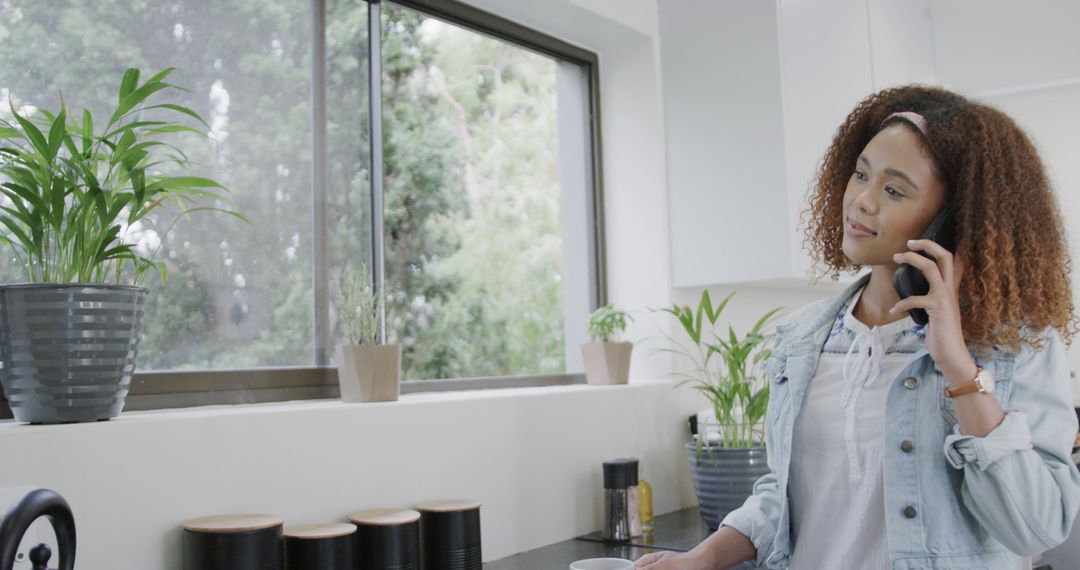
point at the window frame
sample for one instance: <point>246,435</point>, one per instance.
<point>186,388</point>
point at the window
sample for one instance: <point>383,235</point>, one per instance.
<point>478,215</point>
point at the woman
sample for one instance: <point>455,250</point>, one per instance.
<point>898,445</point>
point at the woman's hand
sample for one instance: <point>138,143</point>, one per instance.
<point>671,561</point>
<point>944,333</point>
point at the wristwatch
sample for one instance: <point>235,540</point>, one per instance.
<point>983,383</point>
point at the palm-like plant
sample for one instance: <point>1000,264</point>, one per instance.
<point>725,370</point>
<point>69,194</point>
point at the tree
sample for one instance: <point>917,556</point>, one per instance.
<point>473,252</point>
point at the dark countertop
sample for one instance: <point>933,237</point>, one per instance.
<point>680,531</point>
<point>558,556</point>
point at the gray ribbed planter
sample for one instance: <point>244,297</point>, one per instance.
<point>67,351</point>
<point>724,478</point>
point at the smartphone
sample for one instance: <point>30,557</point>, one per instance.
<point>908,280</point>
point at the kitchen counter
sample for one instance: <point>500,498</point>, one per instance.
<point>558,556</point>
<point>678,531</point>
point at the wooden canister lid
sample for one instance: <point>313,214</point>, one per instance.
<point>384,517</point>
<point>232,523</point>
<point>315,531</point>
<point>448,505</point>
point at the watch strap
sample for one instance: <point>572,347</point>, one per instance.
<point>975,385</point>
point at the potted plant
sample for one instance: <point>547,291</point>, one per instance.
<point>367,370</point>
<point>69,336</point>
<point>728,454</point>
<point>607,360</point>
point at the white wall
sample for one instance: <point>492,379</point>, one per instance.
<point>1023,58</point>
<point>531,456</point>
<point>725,139</point>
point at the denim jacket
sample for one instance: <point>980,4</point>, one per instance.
<point>951,501</point>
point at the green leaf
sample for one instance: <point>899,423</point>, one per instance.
<point>131,100</point>
<point>236,215</point>
<point>31,132</point>
<point>720,308</point>
<point>87,130</point>
<point>128,84</point>
<point>179,182</point>
<point>21,216</point>
<point>764,319</point>
<point>56,133</point>
<point>161,75</point>
<point>126,127</point>
<point>56,197</point>
<point>174,129</point>
<point>182,109</point>
<point>25,194</point>
<point>25,241</point>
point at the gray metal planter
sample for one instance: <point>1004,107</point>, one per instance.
<point>724,478</point>
<point>67,351</point>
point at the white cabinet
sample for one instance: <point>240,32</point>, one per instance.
<point>753,92</point>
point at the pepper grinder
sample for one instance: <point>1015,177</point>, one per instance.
<point>619,475</point>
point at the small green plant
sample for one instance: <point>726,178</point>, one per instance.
<point>725,369</point>
<point>359,309</point>
<point>70,195</point>
<point>607,322</point>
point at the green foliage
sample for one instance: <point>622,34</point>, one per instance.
<point>607,322</point>
<point>74,194</point>
<point>472,244</point>
<point>183,319</point>
<point>359,309</point>
<point>473,251</point>
<point>725,369</point>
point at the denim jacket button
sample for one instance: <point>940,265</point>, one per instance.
<point>911,383</point>
<point>907,445</point>
<point>910,512</point>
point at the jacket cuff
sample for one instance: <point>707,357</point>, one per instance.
<point>761,533</point>
<point>1013,434</point>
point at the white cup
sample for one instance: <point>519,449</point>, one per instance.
<point>603,564</point>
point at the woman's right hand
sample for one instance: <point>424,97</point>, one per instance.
<point>671,561</point>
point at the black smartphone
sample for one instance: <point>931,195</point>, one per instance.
<point>908,280</point>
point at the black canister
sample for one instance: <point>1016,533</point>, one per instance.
<point>450,534</point>
<point>320,547</point>
<point>233,542</point>
<point>387,539</point>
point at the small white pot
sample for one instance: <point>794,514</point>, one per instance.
<point>369,373</point>
<point>607,362</point>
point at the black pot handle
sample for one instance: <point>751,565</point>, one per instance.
<point>38,503</point>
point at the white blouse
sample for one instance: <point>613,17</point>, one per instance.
<point>836,484</point>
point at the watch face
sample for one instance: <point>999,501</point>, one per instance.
<point>987,381</point>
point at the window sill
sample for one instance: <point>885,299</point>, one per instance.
<point>12,428</point>
<point>199,388</point>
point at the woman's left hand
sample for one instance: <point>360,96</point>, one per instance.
<point>944,332</point>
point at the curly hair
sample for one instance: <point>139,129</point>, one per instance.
<point>1009,231</point>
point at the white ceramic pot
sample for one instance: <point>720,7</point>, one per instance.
<point>607,362</point>
<point>369,373</point>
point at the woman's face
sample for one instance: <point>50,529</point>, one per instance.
<point>894,193</point>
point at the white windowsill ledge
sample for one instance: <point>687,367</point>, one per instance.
<point>13,428</point>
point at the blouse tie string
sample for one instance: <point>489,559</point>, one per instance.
<point>862,365</point>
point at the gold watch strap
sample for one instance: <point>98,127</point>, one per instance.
<point>968,387</point>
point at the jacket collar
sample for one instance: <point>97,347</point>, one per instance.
<point>808,333</point>
<point>822,314</point>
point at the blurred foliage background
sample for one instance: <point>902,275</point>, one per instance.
<point>472,244</point>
